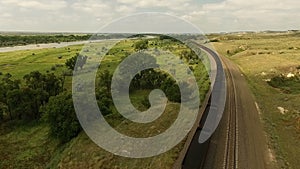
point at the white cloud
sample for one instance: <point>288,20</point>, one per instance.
<point>33,4</point>
<point>89,15</point>
<point>246,15</point>
<point>91,7</point>
<point>169,5</point>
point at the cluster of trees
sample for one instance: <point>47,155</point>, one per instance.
<point>42,97</point>
<point>146,79</point>
<point>141,45</point>
<point>23,101</point>
<point>189,55</point>
<point>110,36</point>
<point>14,40</point>
<point>172,37</point>
<point>59,113</point>
<point>79,59</point>
<point>155,79</point>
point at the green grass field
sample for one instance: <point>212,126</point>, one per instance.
<point>29,146</point>
<point>20,63</point>
<point>260,58</point>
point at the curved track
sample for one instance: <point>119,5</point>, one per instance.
<point>239,141</point>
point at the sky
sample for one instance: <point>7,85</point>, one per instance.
<point>90,15</point>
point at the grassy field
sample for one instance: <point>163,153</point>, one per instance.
<point>20,63</point>
<point>262,57</point>
<point>29,146</point>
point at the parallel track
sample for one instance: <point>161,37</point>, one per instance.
<point>230,156</point>
<point>231,144</point>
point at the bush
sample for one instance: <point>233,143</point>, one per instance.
<point>53,68</point>
<point>141,45</point>
<point>287,85</point>
<point>215,40</point>
<point>59,65</point>
<point>61,116</point>
<point>145,102</point>
<point>3,109</point>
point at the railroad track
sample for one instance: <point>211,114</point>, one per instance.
<point>231,144</point>
<point>238,141</point>
<point>194,154</point>
<point>196,150</point>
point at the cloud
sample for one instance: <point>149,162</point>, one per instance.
<point>174,4</point>
<point>89,15</point>
<point>231,15</point>
<point>40,5</point>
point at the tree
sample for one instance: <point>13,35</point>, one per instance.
<point>103,93</point>
<point>60,114</point>
<point>24,102</point>
<point>105,80</point>
<point>138,62</point>
<point>70,63</point>
<point>104,101</point>
<point>6,86</point>
<point>53,84</point>
<point>141,45</point>
<point>171,89</point>
<point>14,98</point>
<point>80,59</point>
<point>35,80</point>
<point>3,110</point>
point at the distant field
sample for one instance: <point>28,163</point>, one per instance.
<point>262,57</point>
<point>20,63</point>
<point>29,146</point>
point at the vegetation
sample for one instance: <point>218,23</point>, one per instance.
<point>36,96</point>
<point>15,40</point>
<point>24,101</point>
<point>286,84</point>
<point>60,115</point>
<point>79,59</point>
<point>266,60</point>
<point>141,45</point>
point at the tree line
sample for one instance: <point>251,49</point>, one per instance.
<point>43,98</point>
<point>23,101</point>
<point>15,40</point>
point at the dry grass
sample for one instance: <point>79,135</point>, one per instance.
<point>261,57</point>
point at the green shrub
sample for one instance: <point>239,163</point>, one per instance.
<point>145,102</point>
<point>61,116</point>
<point>287,85</point>
<point>215,40</point>
<point>53,68</point>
